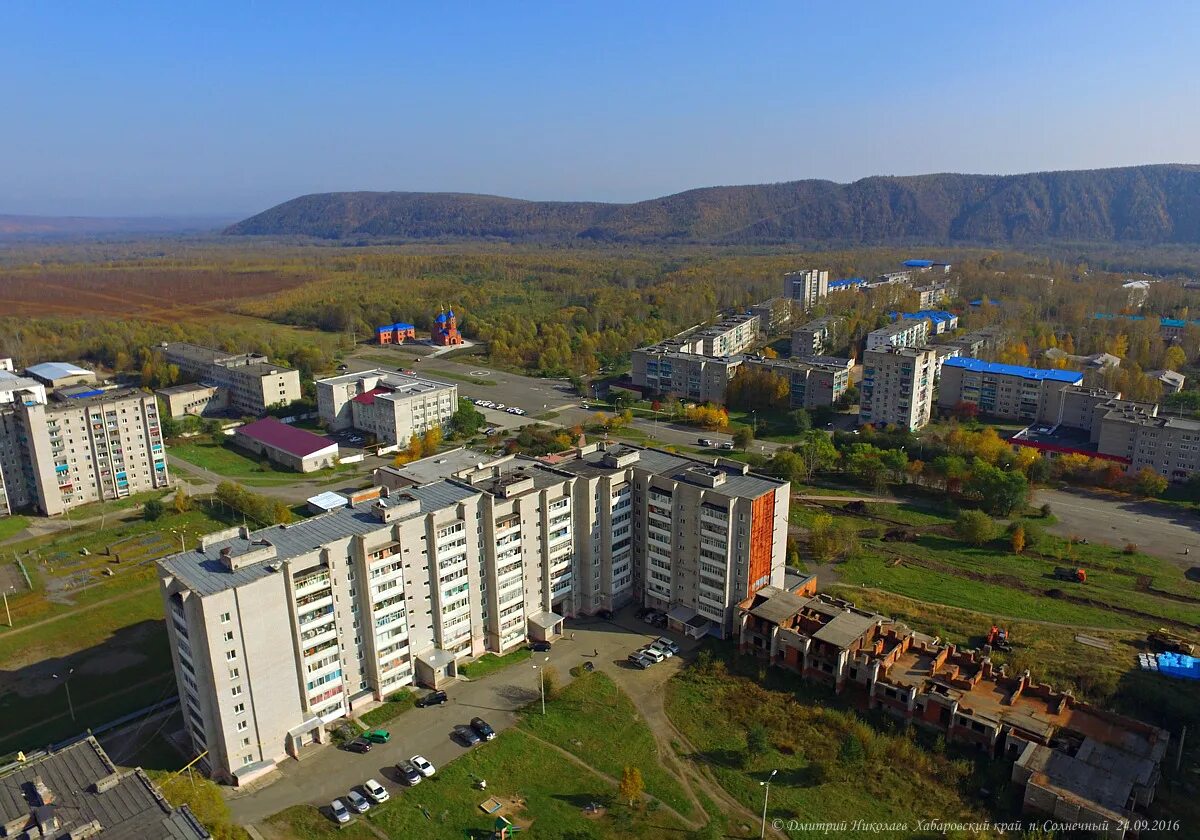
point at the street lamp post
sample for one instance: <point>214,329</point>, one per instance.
<point>182,545</point>
<point>7,614</point>
<point>67,685</point>
<point>541,669</point>
<point>766,786</point>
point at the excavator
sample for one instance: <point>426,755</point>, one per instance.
<point>997,637</point>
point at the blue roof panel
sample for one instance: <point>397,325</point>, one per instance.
<point>1073,377</point>
<point>918,263</point>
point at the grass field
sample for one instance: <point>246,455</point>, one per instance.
<point>11,525</point>
<point>490,663</point>
<point>396,704</point>
<point>446,807</point>
<point>596,721</point>
<point>896,780</point>
<point>247,469</point>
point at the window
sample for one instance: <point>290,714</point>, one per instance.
<point>229,635</point>
<point>245,742</point>
<point>230,655</point>
<point>242,725</point>
<point>236,691</point>
<point>246,759</point>
<point>239,709</point>
<point>225,618</point>
<point>234,673</point>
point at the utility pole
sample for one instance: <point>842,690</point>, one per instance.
<point>67,685</point>
<point>766,795</point>
<point>7,614</point>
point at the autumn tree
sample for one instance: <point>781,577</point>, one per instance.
<point>431,441</point>
<point>181,501</point>
<point>1148,483</point>
<point>1017,539</point>
<point>632,785</point>
<point>743,436</point>
<point>975,527</point>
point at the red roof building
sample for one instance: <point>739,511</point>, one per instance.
<point>297,449</point>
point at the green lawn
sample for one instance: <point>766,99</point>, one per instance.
<point>596,721</point>
<point>396,704</point>
<point>490,663</point>
<point>227,461</point>
<point>897,780</point>
<point>11,525</point>
<point>446,807</point>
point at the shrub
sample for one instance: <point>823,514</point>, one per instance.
<point>1130,548</point>
<point>152,510</point>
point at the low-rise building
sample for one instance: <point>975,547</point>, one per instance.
<point>903,333</point>
<point>1171,381</point>
<point>1004,391</point>
<point>397,333</point>
<point>78,792</point>
<point>391,406</point>
<point>940,321</point>
<point>288,446</point>
<point>251,383</point>
<point>194,398</point>
<point>818,337</point>
<point>1077,763</point>
<point>60,374</point>
<point>897,387</point>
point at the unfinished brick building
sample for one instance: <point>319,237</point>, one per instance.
<point>1077,763</point>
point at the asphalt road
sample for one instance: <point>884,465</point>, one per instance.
<point>327,772</point>
<point>1156,529</point>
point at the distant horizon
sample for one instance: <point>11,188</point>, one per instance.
<point>238,215</point>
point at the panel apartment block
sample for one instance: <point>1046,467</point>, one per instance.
<point>1004,391</point>
<point>897,386</point>
<point>252,383</point>
<point>391,406</point>
<point>807,287</point>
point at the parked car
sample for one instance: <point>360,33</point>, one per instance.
<point>359,745</point>
<point>605,614</point>
<point>358,802</point>
<point>376,791</point>
<point>343,367</point>
<point>727,445</point>
<point>423,766</point>
<point>659,620</point>
<point>640,660</point>
<point>664,642</point>
<point>466,736</point>
<point>512,410</point>
<point>433,698</point>
<point>378,736</point>
<point>645,612</point>
<point>483,729</point>
<point>652,653</point>
<point>666,652</point>
<point>539,647</point>
<point>499,406</point>
<point>408,773</point>
<point>519,411</point>
<point>706,442</point>
<point>338,811</point>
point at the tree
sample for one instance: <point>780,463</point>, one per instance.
<point>431,441</point>
<point>757,741</point>
<point>1148,483</point>
<point>632,785</point>
<point>975,527</point>
<point>801,421</point>
<point>466,420</point>
<point>852,751</point>
<point>816,451</point>
<point>153,510</point>
<point>1017,538</point>
<point>743,436</point>
<point>1174,358</point>
<point>182,502</point>
<point>281,513</point>
<point>620,398</point>
<point>830,538</point>
<point>1001,491</point>
<point>770,353</point>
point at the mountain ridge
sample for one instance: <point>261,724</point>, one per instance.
<point>1158,203</point>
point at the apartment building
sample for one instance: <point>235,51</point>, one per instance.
<point>980,342</point>
<point>817,337</point>
<point>940,321</point>
<point>807,287</point>
<point>278,631</point>
<point>773,315</point>
<point>195,399</point>
<point>252,383</point>
<point>391,406</point>
<point>1076,762</point>
<point>669,367</point>
<point>902,333</point>
<point>14,485</point>
<point>897,386</point>
<point>1004,391</point>
<point>812,382</point>
<point>58,455</point>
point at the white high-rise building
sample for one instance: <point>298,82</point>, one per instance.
<point>807,287</point>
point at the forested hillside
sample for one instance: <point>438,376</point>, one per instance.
<point>1143,204</point>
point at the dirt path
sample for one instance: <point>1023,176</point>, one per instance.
<point>114,599</point>
<point>574,759</point>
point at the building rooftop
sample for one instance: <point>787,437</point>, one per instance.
<point>918,263</point>
<point>99,399</point>
<point>57,370</point>
<point>188,388</point>
<point>203,572</point>
<point>896,328</point>
<point>79,786</point>
<point>289,439</point>
<point>776,605</point>
<point>196,353</point>
<point>442,465</point>
<point>389,383</point>
<point>603,461</point>
<point>845,628</point>
<point>938,316</point>
<point>980,366</point>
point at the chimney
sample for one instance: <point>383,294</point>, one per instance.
<point>44,795</point>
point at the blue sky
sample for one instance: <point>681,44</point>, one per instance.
<point>131,108</point>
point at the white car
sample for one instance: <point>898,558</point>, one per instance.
<point>499,406</point>
<point>518,411</point>
<point>666,644</point>
<point>340,814</point>
<point>423,766</point>
<point>513,410</point>
<point>376,791</point>
<point>479,402</point>
<point>358,802</point>
<point>652,653</point>
<point>660,649</point>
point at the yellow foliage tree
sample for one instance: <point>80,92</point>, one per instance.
<point>431,442</point>
<point>770,353</point>
<point>1018,540</point>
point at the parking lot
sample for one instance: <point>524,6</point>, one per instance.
<point>327,772</point>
